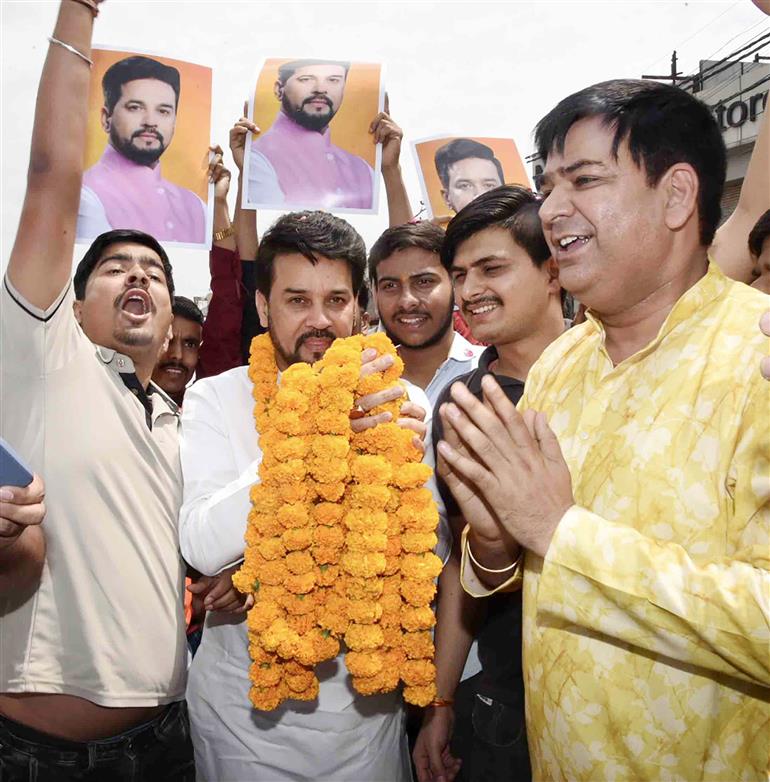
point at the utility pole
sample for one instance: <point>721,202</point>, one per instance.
<point>672,77</point>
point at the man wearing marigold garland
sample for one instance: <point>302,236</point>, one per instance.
<point>311,269</point>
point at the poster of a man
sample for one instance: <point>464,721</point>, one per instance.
<point>314,150</point>
<point>454,170</point>
<point>135,177</point>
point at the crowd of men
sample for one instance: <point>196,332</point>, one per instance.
<point>604,486</point>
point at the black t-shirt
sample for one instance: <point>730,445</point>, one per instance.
<point>499,637</point>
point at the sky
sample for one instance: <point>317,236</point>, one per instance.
<point>470,68</point>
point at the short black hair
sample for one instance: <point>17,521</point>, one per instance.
<point>95,252</point>
<point>462,149</point>
<point>131,69</point>
<point>313,234</point>
<point>759,233</point>
<point>423,234</point>
<point>663,125</point>
<point>187,308</point>
<point>364,296</point>
<point>287,70</point>
<point>512,207</point>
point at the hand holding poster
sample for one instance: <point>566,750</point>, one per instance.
<point>454,170</point>
<point>314,150</point>
<point>135,176</point>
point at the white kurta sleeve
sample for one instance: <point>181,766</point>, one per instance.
<point>215,505</point>
<point>263,185</point>
<point>92,219</point>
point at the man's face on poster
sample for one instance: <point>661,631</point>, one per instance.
<point>469,178</point>
<point>142,123</point>
<point>312,95</point>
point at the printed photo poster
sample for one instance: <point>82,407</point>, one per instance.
<point>314,149</point>
<point>453,170</point>
<point>146,156</point>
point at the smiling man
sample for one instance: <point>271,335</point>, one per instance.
<point>415,302</point>
<point>125,188</point>
<point>295,163</point>
<point>637,479</point>
<point>176,366</point>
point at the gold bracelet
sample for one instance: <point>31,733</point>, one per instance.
<point>91,6</point>
<point>478,564</point>
<point>72,49</point>
<point>225,233</point>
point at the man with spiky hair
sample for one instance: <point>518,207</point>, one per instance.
<point>295,162</point>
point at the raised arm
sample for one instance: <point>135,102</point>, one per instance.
<point>387,133</point>
<point>41,258</point>
<point>730,247</point>
<point>245,219</point>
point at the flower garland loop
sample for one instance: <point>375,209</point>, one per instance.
<point>340,535</point>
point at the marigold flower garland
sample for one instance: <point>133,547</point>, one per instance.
<point>340,535</point>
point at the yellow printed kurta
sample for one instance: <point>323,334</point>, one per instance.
<point>646,640</point>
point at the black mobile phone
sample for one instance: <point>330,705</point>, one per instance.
<point>13,470</point>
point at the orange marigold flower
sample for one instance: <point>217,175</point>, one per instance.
<point>392,585</point>
<point>418,542</point>
<point>364,612</point>
<point>364,564</point>
<point>361,638</point>
<point>331,422</point>
<point>265,674</point>
<point>267,698</point>
<point>417,673</point>
<point>272,592</point>
<point>421,499</point>
<point>420,696</point>
<point>339,377</point>
<point>272,548</point>
<point>365,521</point>
<point>289,472</point>
<point>262,615</point>
<point>326,555</point>
<point>332,398</point>
<point>366,541</point>
<point>326,470</point>
<point>395,499</point>
<point>417,618</point>
<point>392,633</point>
<point>412,475</point>
<point>291,422</point>
<point>293,516</point>
<point>371,498</point>
<point>369,685</point>
<point>392,565</point>
<point>371,470</point>
<point>328,536</point>
<point>302,624</point>
<point>276,634</point>
<point>421,566</point>
<point>288,399</point>
<point>391,602</point>
<point>418,520</point>
<point>295,539</point>
<point>326,646</point>
<point>393,546</point>
<point>301,583</point>
<point>330,446</point>
<point>299,562</point>
<point>418,645</point>
<point>329,492</point>
<point>333,615</point>
<point>418,593</point>
<point>363,663</point>
<point>394,525</point>
<point>293,493</point>
<point>362,588</point>
<point>263,499</point>
<point>328,513</point>
<point>298,604</point>
<point>298,677</point>
<point>272,572</point>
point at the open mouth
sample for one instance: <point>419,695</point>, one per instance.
<point>481,309</point>
<point>568,244</point>
<point>412,321</point>
<point>136,303</point>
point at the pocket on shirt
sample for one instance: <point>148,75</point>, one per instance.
<point>497,724</point>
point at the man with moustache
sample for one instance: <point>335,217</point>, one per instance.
<point>466,168</point>
<point>415,301</point>
<point>632,494</point>
<point>295,162</point>
<point>176,366</point>
<point>79,696</point>
<point>125,188</point>
<point>507,287</point>
<point>311,268</point>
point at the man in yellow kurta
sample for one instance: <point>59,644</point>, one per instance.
<point>644,507</point>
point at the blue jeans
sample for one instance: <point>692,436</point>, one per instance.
<point>157,750</point>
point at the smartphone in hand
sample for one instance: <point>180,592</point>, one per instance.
<point>13,470</point>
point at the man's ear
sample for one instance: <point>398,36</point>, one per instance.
<point>106,119</point>
<point>278,90</point>
<point>262,309</point>
<point>445,196</point>
<point>552,269</point>
<point>681,187</point>
<point>77,310</point>
<point>166,342</point>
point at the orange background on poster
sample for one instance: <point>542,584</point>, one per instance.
<point>185,161</point>
<point>350,126</point>
<point>505,151</point>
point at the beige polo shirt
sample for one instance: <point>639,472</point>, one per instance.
<point>106,622</point>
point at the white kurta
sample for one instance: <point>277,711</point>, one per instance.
<point>341,737</point>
